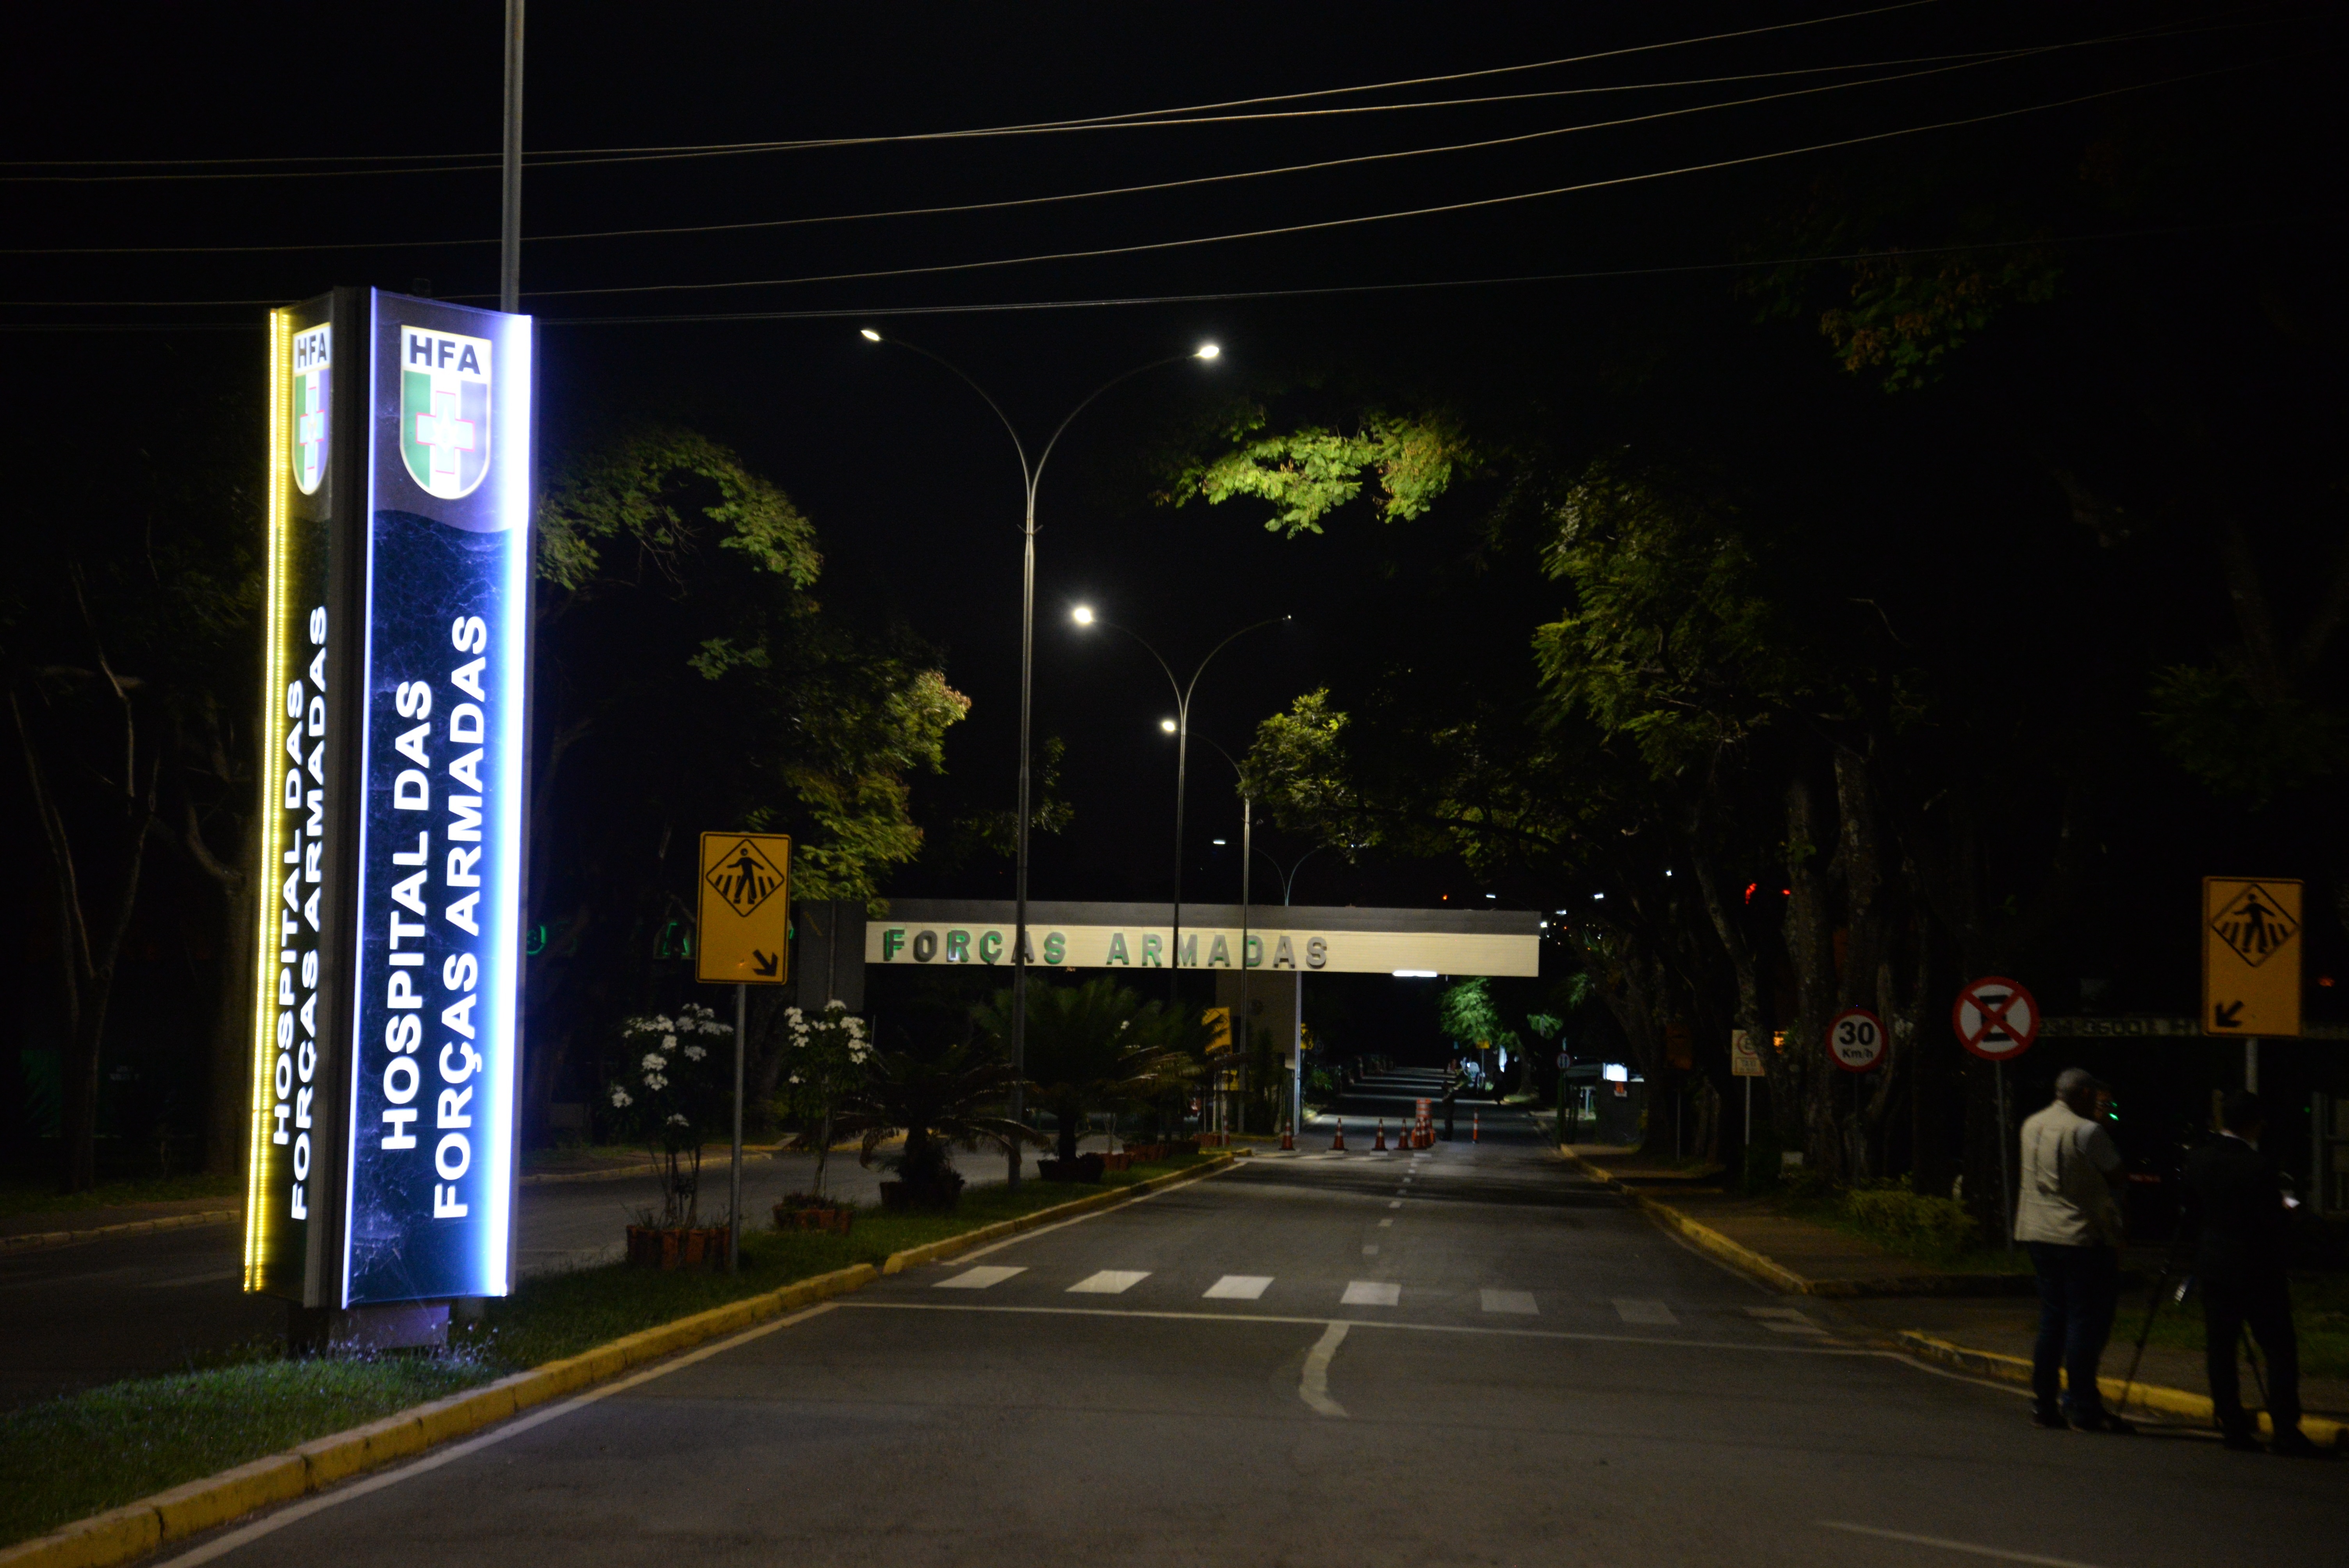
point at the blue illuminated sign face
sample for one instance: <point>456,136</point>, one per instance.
<point>436,970</point>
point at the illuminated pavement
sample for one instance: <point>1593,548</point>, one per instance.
<point>1465,1357</point>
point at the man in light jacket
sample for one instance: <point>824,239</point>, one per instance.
<point>2069,1216</point>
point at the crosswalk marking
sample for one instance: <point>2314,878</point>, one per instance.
<point>979,1278</point>
<point>1518,1301</point>
<point>1785,1320</point>
<point>1394,1203</point>
<point>1644,1312</point>
<point>1371,1293</point>
<point>1239,1287</point>
<point>1109,1281</point>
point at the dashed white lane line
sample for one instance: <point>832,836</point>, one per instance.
<point>1372,1293</point>
<point>978,1278</point>
<point>1239,1287</point>
<point>1654,1312</point>
<point>1109,1281</point>
<point>1370,1250</point>
<point>1384,1223</point>
<point>1395,1203</point>
<point>1517,1301</point>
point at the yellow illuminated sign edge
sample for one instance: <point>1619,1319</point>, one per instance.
<point>270,829</point>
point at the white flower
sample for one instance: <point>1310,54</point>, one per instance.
<point>795,1077</point>
<point>695,1052</point>
<point>654,1061</point>
<point>655,1082</point>
<point>620,1100</point>
<point>678,1121</point>
<point>669,1042</point>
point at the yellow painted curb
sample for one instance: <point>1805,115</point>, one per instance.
<point>931,1252</point>
<point>1707,1239</point>
<point>2142,1395</point>
<point>130,1531</point>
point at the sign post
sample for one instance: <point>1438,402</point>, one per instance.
<point>742,933</point>
<point>1997,1020</point>
<point>2250,962</point>
<point>1746,1062</point>
<point>396,683</point>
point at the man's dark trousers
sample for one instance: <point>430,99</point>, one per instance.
<point>2263,1303</point>
<point>2078,1288</point>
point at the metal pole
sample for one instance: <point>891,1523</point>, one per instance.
<point>2005,1173</point>
<point>734,1175</point>
<point>1247,830</point>
<point>1174,947</point>
<point>1019,875</point>
<point>2251,1064</point>
<point>510,217</point>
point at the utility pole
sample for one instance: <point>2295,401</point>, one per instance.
<point>510,218</point>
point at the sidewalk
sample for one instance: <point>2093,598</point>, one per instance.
<point>1989,1321</point>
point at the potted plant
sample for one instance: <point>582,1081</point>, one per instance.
<point>824,1058</point>
<point>937,1099</point>
<point>1095,1046</point>
<point>673,1093</point>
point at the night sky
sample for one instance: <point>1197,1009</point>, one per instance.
<point>907,474</point>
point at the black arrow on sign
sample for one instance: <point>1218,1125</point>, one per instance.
<point>2226,1015</point>
<point>763,963</point>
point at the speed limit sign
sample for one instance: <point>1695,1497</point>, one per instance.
<point>1855,1039</point>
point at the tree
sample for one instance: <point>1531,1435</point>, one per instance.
<point>938,1098</point>
<point>824,1058</point>
<point>1090,1048</point>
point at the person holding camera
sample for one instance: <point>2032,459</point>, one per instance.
<point>2069,1216</point>
<point>2234,1228</point>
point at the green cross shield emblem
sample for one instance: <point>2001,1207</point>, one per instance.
<point>444,411</point>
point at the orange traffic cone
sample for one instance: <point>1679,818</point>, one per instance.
<point>1472,1126</point>
<point>1339,1142</point>
<point>1379,1144</point>
<point>1289,1136</point>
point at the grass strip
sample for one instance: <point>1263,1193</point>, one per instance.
<point>18,1197</point>
<point>68,1458</point>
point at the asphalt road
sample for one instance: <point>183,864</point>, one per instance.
<point>76,1316</point>
<point>1463,1356</point>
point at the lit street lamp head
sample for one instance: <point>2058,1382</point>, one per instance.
<point>1208,351</point>
<point>1082,614</point>
<point>868,334</point>
<point>1167,725</point>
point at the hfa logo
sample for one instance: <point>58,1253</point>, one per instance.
<point>444,411</point>
<point>312,360</point>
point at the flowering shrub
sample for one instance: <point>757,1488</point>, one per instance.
<point>673,1095</point>
<point>824,1058</point>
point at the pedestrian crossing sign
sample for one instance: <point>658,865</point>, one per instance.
<point>745,927</point>
<point>2250,956</point>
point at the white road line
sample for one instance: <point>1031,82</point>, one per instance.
<point>1519,1301</point>
<point>1967,1547</point>
<point>1109,1281</point>
<point>978,1278</point>
<point>1370,1250</point>
<point>1371,1293</point>
<point>1313,1388</point>
<point>1795,1328</point>
<point>270,1524</point>
<point>1751,1348</point>
<point>1394,1203</point>
<point>1237,1287</point>
<point>1384,1223</point>
<point>1654,1312</point>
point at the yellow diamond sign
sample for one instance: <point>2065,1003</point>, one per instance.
<point>2250,956</point>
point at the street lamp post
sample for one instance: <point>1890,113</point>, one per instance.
<point>1032,476</point>
<point>1247,840</point>
<point>1179,727</point>
<point>1296,1062</point>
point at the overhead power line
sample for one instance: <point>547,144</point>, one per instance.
<point>442,162</point>
<point>1965,62</point>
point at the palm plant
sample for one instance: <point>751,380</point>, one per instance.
<point>1097,1047</point>
<point>939,1099</point>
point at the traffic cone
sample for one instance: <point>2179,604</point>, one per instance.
<point>1472,1126</point>
<point>1339,1142</point>
<point>1289,1136</point>
<point>1379,1144</point>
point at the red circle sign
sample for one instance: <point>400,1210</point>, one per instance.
<point>1856,1041</point>
<point>1995,1019</point>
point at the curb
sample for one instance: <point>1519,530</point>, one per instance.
<point>123,1535</point>
<point>40,1241</point>
<point>1776,1275</point>
<point>2149,1397</point>
<point>934,1251</point>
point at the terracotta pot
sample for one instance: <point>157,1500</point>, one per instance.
<point>676,1247</point>
<point>792,1217</point>
<point>1083,1168</point>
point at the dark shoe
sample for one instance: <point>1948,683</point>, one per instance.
<point>2294,1444</point>
<point>2050,1420</point>
<point>2240,1442</point>
<point>2104,1421</point>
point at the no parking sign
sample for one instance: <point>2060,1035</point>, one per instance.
<point>1996,1018</point>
